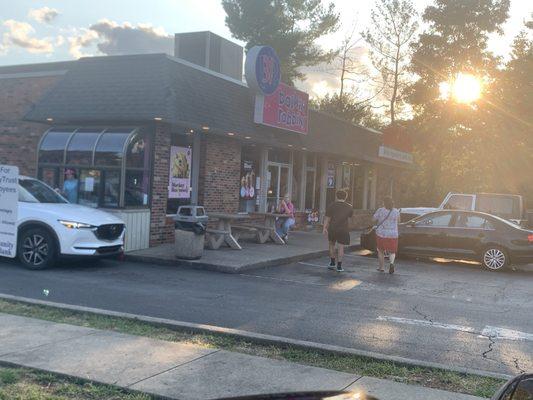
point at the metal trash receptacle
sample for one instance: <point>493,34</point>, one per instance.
<point>190,224</point>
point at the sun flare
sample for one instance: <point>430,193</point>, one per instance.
<point>465,88</point>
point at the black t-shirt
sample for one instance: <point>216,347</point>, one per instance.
<point>339,212</point>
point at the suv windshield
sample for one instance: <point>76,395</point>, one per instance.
<point>34,191</point>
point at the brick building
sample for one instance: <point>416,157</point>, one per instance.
<point>126,124</point>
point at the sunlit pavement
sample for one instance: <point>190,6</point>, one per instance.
<point>446,312</point>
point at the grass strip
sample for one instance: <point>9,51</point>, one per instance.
<point>29,384</point>
<point>398,372</point>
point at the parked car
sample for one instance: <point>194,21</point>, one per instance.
<point>507,206</point>
<point>466,235</point>
<point>50,227</point>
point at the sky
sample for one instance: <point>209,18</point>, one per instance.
<point>33,31</point>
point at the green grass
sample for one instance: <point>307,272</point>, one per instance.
<point>428,377</point>
<point>28,384</point>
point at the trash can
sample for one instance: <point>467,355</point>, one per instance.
<point>190,224</point>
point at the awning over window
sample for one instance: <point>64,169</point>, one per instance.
<point>99,147</point>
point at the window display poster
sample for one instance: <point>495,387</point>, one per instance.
<point>331,176</point>
<point>9,198</point>
<point>346,177</point>
<point>179,186</point>
<point>248,185</point>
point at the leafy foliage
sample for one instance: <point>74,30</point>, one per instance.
<point>291,27</point>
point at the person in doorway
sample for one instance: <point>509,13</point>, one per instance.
<point>336,227</point>
<point>387,218</point>
<point>286,207</point>
<point>70,186</point>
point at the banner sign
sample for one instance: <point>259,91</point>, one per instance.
<point>248,181</point>
<point>9,203</point>
<point>393,154</point>
<point>286,108</point>
<point>179,185</point>
<point>331,176</point>
<point>262,69</point>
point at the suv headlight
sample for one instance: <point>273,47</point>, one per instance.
<point>76,225</point>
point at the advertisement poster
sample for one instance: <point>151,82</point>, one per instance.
<point>179,186</point>
<point>248,182</point>
<point>346,176</point>
<point>9,197</point>
<point>331,176</point>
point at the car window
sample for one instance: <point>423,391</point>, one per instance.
<point>498,205</point>
<point>459,202</point>
<point>470,221</point>
<point>442,220</point>
<point>34,191</point>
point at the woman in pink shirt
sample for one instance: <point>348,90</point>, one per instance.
<point>286,207</point>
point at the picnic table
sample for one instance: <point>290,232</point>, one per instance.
<point>224,231</point>
<point>270,224</point>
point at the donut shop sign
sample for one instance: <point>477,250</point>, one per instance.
<point>276,104</point>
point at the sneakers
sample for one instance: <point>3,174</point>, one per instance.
<point>391,268</point>
<point>339,269</point>
<point>331,266</point>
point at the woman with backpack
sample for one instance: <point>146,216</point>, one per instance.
<point>387,218</point>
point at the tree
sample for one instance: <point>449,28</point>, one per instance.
<point>392,29</point>
<point>291,27</point>
<point>453,140</point>
<point>348,108</point>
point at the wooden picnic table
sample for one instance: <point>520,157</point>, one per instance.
<point>270,223</point>
<point>223,233</point>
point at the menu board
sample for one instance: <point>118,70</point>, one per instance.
<point>9,198</point>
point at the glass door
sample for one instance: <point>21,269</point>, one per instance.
<point>278,184</point>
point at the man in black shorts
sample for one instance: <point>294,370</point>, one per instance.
<point>336,227</point>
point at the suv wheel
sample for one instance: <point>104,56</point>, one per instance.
<point>36,248</point>
<point>494,258</point>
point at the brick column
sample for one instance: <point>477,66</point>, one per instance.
<point>220,170</point>
<point>161,230</point>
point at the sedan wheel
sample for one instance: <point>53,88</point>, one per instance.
<point>36,249</point>
<point>495,258</point>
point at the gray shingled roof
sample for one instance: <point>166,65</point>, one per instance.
<point>137,88</point>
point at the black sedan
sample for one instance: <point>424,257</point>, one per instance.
<point>465,235</point>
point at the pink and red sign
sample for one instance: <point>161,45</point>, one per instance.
<point>286,108</point>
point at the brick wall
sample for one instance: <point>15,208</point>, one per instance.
<point>161,229</point>
<point>18,138</point>
<point>220,168</point>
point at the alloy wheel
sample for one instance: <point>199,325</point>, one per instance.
<point>494,259</point>
<point>35,249</point>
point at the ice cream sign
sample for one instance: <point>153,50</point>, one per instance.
<point>276,104</point>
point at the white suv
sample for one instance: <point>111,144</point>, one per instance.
<point>50,227</point>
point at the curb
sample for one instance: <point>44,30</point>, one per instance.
<point>257,337</point>
<point>227,268</point>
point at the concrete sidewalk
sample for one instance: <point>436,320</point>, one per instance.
<point>176,370</point>
<point>301,246</point>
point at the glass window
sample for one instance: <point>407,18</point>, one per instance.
<point>459,202</point>
<point>280,156</point>
<point>80,148</point>
<point>110,149</point>
<point>309,189</point>
<point>50,176</point>
<point>440,220</point>
<point>297,170</point>
<point>137,188</point>
<point>249,186</point>
<point>499,205</point>
<point>53,146</point>
<point>359,187</point>
<point>89,187</point>
<point>470,221</point>
<point>138,154</point>
<point>111,188</point>
<point>33,191</point>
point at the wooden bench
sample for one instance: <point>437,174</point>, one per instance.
<point>262,232</point>
<point>215,238</point>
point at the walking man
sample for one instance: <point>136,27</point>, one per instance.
<point>336,228</point>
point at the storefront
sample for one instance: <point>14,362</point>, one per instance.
<point>141,135</point>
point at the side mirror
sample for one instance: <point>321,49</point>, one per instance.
<point>518,388</point>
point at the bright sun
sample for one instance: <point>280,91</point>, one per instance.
<point>465,88</point>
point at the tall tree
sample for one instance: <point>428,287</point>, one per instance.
<point>291,27</point>
<point>453,139</point>
<point>392,30</point>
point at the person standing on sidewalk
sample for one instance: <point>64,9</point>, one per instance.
<point>336,228</point>
<point>387,218</point>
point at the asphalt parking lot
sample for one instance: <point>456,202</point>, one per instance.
<point>452,313</point>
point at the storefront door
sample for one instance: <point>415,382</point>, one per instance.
<point>278,184</point>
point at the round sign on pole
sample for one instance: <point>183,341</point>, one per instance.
<point>262,69</point>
